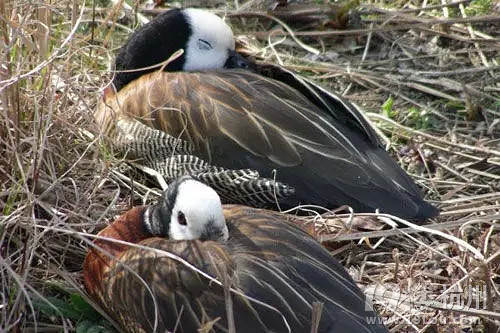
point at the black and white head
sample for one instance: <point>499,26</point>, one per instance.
<point>207,41</point>
<point>188,210</point>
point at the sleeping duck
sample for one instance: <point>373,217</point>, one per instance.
<point>184,102</point>
<point>193,265</point>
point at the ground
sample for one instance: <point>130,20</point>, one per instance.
<point>426,74</point>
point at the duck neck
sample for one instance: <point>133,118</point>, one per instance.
<point>128,228</point>
<point>154,218</point>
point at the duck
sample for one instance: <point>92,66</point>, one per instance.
<point>188,263</point>
<point>183,101</point>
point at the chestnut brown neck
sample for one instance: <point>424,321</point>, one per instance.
<point>128,228</point>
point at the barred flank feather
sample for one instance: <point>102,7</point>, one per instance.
<point>173,158</point>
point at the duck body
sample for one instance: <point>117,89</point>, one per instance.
<point>239,119</point>
<point>276,272</point>
<point>288,140</point>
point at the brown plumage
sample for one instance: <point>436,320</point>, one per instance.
<point>266,125</point>
<point>202,107</point>
<point>275,270</point>
<point>258,135</point>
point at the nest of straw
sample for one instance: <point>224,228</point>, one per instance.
<point>425,72</point>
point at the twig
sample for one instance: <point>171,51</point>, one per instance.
<point>416,25</point>
<point>288,31</point>
<point>414,10</point>
<point>141,18</point>
<point>44,63</point>
<point>408,230</point>
<point>476,149</point>
<point>317,310</point>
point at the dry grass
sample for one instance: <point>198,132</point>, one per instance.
<point>427,75</point>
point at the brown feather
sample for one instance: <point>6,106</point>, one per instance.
<point>237,119</point>
<point>275,271</point>
<point>128,227</point>
<point>201,106</point>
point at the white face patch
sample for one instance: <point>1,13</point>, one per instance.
<point>197,213</point>
<point>210,41</point>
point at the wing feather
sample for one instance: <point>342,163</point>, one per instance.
<point>260,115</point>
<point>237,119</point>
<point>275,263</point>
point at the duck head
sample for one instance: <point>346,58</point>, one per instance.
<point>207,41</point>
<point>188,210</point>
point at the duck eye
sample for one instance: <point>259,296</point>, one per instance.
<point>181,218</point>
<point>204,45</point>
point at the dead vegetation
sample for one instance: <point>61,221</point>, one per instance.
<point>426,73</point>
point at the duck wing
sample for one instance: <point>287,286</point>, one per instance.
<point>248,109</point>
<point>238,119</point>
<point>275,270</point>
<point>343,111</point>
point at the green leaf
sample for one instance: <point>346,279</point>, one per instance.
<point>57,307</point>
<point>387,108</point>
<point>81,305</point>
<point>479,7</point>
<point>88,326</point>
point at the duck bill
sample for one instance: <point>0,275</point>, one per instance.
<point>236,60</point>
<point>214,233</point>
